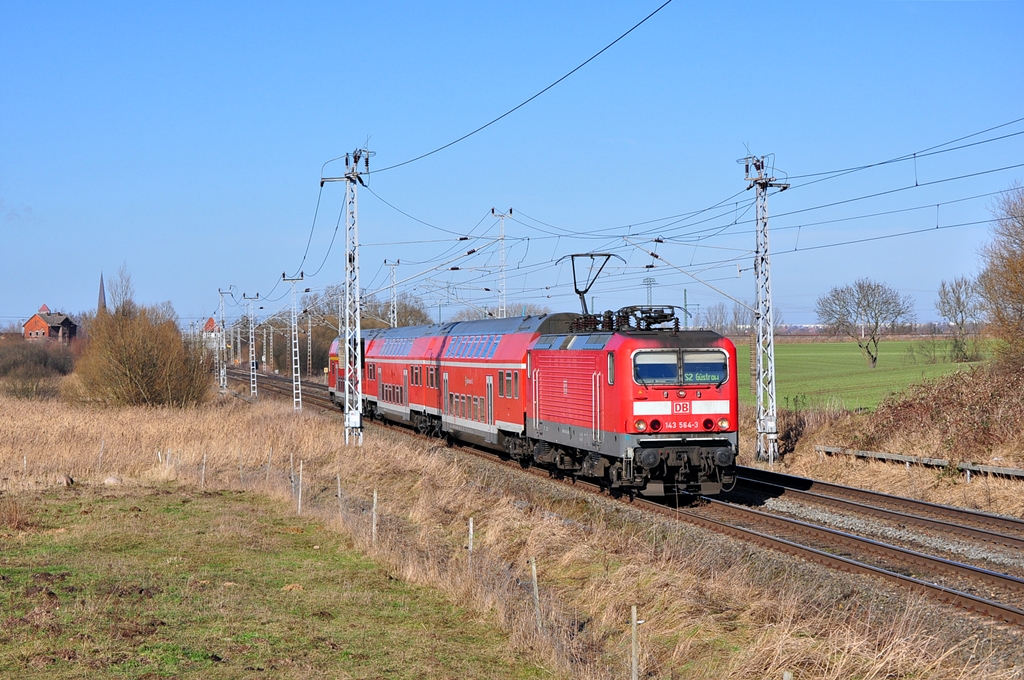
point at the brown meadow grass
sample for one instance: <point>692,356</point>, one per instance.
<point>714,607</point>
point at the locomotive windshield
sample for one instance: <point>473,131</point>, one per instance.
<point>701,368</point>
<point>656,367</point>
<point>676,367</point>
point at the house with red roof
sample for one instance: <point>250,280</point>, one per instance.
<point>47,325</point>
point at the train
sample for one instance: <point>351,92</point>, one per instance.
<point>624,398</point>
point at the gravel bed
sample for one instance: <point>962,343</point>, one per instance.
<point>979,552</point>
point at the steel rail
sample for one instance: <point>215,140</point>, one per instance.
<point>966,601</point>
<point>841,538</point>
<point>884,513</point>
<point>992,522</point>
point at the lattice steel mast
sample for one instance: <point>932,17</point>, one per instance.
<point>764,348</point>
<point>222,349</point>
<point>296,374</point>
<point>393,309</point>
<point>352,336</point>
<point>252,343</point>
<point>501,262</point>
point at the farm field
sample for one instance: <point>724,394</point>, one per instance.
<point>836,373</point>
<point>167,581</point>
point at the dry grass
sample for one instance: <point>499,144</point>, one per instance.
<point>970,416</point>
<point>714,607</point>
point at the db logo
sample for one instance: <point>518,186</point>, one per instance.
<point>681,407</point>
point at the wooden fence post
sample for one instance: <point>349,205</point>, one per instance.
<point>373,526</point>
<point>536,593</point>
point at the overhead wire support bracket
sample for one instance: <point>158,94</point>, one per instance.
<point>352,312</point>
<point>764,347</point>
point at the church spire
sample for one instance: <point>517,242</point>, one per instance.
<point>101,305</point>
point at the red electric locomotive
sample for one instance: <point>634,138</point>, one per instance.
<point>624,397</point>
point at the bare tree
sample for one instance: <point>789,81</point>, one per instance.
<point>515,309</point>
<point>411,311</point>
<point>715,316</point>
<point>959,304</point>
<point>864,311</point>
<point>122,293</point>
<point>1001,283</point>
<point>742,321</point>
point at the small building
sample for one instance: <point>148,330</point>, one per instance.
<point>47,325</point>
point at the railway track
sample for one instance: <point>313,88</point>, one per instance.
<point>916,571</point>
<point>1006,531</point>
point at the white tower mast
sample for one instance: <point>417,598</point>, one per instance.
<point>352,336</point>
<point>252,343</point>
<point>296,375</point>
<point>767,421</point>
<point>393,309</point>
<point>501,266</point>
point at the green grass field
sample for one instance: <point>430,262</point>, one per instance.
<point>836,373</point>
<point>166,582</point>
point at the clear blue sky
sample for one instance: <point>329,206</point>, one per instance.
<point>185,140</point>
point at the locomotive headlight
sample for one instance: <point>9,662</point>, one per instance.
<point>723,423</point>
<point>640,425</point>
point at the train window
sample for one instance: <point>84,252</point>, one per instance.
<point>451,404</point>
<point>515,383</point>
<point>611,368</point>
<point>549,342</point>
<point>661,367</point>
<point>476,408</point>
<point>701,368</point>
<point>477,346</point>
<point>462,405</point>
<point>493,346</point>
<point>508,384</point>
<point>501,383</point>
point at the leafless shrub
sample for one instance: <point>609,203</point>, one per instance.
<point>32,369</point>
<point>137,355</point>
<point>971,413</point>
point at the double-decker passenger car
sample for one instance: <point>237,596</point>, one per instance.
<point>627,397</point>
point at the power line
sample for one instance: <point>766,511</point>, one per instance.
<point>524,103</point>
<point>884,236</point>
<point>930,151</point>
